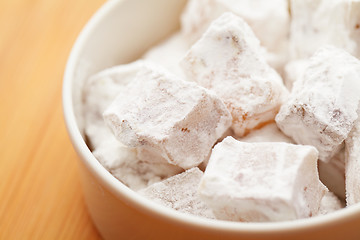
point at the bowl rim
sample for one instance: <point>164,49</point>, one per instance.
<point>143,204</point>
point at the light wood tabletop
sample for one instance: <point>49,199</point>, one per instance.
<point>40,192</point>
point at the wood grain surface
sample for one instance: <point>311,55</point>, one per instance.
<point>40,192</point>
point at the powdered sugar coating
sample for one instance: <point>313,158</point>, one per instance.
<point>268,133</point>
<point>180,193</point>
<point>169,52</point>
<point>269,19</point>
<point>99,91</point>
<point>329,203</point>
<point>293,71</point>
<point>321,110</point>
<point>123,163</point>
<point>310,21</point>
<point>178,119</point>
<point>352,165</point>
<point>262,181</point>
<point>227,59</point>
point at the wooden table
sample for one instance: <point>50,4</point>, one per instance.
<point>40,192</point>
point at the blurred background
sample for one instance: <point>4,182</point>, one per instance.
<point>40,192</point>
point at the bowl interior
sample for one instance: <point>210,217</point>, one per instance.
<point>119,33</point>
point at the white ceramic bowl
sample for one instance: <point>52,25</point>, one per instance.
<point>118,33</point>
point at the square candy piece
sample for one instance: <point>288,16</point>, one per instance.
<point>228,60</point>
<point>179,120</point>
<point>321,109</point>
<point>99,92</point>
<point>270,20</point>
<point>122,162</point>
<point>180,193</point>
<point>310,21</point>
<point>260,182</point>
<point>352,165</point>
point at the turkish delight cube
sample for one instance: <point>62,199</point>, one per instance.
<point>322,106</point>
<point>227,60</point>
<point>177,119</point>
<point>310,21</point>
<point>180,193</point>
<point>259,182</point>
<point>99,92</point>
<point>122,162</point>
